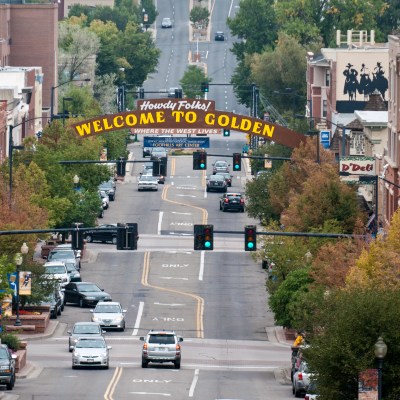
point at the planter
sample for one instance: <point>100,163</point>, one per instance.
<point>30,323</point>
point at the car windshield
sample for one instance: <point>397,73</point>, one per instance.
<point>89,288</point>
<point>217,178</point>
<point>86,329</point>
<point>107,185</point>
<point>107,309</point>
<point>62,255</point>
<point>147,178</point>
<point>4,354</point>
<point>93,344</point>
<point>234,196</point>
<point>162,339</point>
<point>70,267</point>
<point>55,269</point>
<point>220,164</point>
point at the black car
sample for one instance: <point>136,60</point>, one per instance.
<point>232,201</point>
<point>104,233</point>
<point>53,300</point>
<point>227,176</point>
<point>84,294</point>
<point>219,36</point>
<point>216,183</point>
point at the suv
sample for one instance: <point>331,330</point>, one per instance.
<point>57,270</point>
<point>161,346</point>
<point>109,189</point>
<point>220,166</point>
<point>231,201</point>
<point>7,367</point>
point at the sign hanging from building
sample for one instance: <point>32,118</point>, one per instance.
<point>176,142</point>
<point>173,116</point>
<point>353,168</point>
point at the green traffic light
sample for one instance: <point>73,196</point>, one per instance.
<point>236,166</point>
<point>207,244</point>
<point>202,165</point>
<point>250,245</point>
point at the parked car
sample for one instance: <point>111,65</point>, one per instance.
<point>83,330</point>
<point>171,91</point>
<point>219,36</point>
<point>216,183</point>
<point>103,233</point>
<point>227,176</point>
<point>105,200</point>
<point>312,392</point>
<point>91,352</point>
<point>109,188</point>
<point>158,152</point>
<point>65,255</point>
<point>85,294</point>
<point>232,201</point>
<point>54,302</point>
<point>7,367</point>
<point>147,182</point>
<point>301,379</point>
<point>109,315</point>
<point>220,166</point>
<point>146,152</point>
<point>57,270</point>
<point>160,347</point>
<point>166,23</point>
<point>68,246</point>
<point>74,274</point>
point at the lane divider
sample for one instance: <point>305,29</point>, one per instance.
<point>108,395</point>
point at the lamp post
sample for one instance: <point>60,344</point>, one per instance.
<point>52,94</point>
<point>380,353</point>
<point>63,109</point>
<point>18,262</point>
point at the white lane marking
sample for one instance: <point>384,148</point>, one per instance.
<point>138,318</point>
<point>194,382</point>
<point>201,272</point>
<point>179,213</point>
<point>160,217</point>
<point>186,195</point>
<point>158,394</point>
<point>170,305</point>
<point>170,277</point>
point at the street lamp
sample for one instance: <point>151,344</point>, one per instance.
<point>76,181</point>
<point>63,107</point>
<point>18,259</point>
<point>52,94</point>
<point>380,353</point>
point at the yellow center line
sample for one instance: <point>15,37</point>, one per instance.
<point>200,300</point>
<point>108,395</point>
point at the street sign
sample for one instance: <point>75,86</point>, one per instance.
<point>177,142</point>
<point>325,137</point>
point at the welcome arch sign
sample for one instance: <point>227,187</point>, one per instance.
<point>185,116</point>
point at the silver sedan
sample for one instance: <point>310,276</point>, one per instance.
<point>91,352</point>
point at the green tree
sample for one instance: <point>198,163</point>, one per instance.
<point>346,328</point>
<point>191,81</point>
<point>199,16</point>
<point>286,294</point>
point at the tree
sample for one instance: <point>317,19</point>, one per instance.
<point>255,25</point>
<point>77,49</point>
<point>199,16</point>
<point>346,328</point>
<point>191,81</point>
<point>280,301</point>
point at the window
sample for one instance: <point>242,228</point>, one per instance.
<point>327,78</point>
<point>324,108</point>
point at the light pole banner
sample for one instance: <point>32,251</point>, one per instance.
<point>368,385</point>
<point>25,283</point>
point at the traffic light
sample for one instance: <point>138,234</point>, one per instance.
<point>121,167</point>
<point>227,132</point>
<point>237,162</point>
<point>77,239</point>
<point>204,87</point>
<point>199,160</point>
<point>141,93</point>
<point>156,167</point>
<point>178,93</point>
<point>127,236</point>
<point>250,238</point>
<point>203,237</point>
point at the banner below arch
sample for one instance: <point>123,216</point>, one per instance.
<point>178,116</point>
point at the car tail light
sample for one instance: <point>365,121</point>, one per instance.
<point>300,376</point>
<point>178,349</point>
<point>307,397</point>
<point>241,201</point>
<point>145,348</point>
<point>226,200</point>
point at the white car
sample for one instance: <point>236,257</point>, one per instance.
<point>147,182</point>
<point>166,23</point>
<point>110,315</point>
<point>57,270</point>
<point>91,352</point>
<point>105,200</point>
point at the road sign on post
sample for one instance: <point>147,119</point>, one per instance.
<point>203,237</point>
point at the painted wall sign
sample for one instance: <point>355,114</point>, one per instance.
<point>356,168</point>
<point>186,113</point>
<point>176,142</point>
